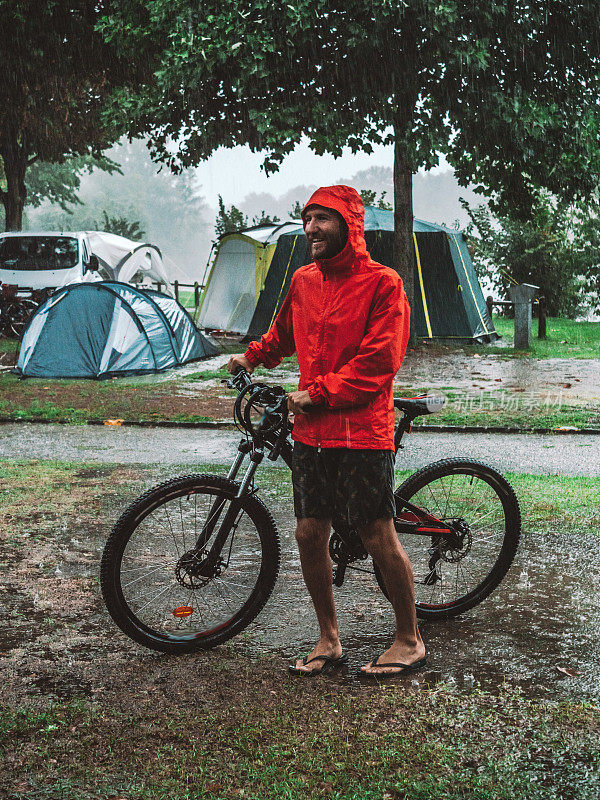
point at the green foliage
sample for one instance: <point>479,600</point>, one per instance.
<point>296,210</point>
<point>369,198</point>
<point>265,219</point>
<point>551,249</point>
<point>507,91</point>
<point>121,226</point>
<point>56,73</point>
<point>60,183</point>
<point>229,220</point>
<point>168,207</point>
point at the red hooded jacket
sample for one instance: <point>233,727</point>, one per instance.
<point>348,319</point>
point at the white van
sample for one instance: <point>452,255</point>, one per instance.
<point>47,260</point>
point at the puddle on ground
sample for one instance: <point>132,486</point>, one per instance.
<point>58,640</point>
<point>544,616</point>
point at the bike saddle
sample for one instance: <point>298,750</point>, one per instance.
<point>419,406</point>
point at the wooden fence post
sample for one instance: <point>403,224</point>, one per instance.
<point>489,301</point>
<point>176,286</point>
<point>196,295</point>
<point>541,317</point>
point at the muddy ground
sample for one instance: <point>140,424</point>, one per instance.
<point>523,385</point>
<point>57,640</point>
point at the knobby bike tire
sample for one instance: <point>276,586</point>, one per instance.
<point>500,540</point>
<point>143,532</point>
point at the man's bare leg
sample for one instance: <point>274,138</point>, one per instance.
<point>312,536</point>
<point>381,541</point>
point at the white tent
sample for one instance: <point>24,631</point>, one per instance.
<point>122,258</point>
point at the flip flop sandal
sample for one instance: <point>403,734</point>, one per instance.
<point>328,663</point>
<point>401,668</point>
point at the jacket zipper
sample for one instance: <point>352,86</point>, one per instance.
<point>321,346</point>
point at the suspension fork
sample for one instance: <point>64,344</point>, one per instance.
<point>230,515</point>
<point>212,518</point>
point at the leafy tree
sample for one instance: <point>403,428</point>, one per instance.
<point>56,72</point>
<point>265,219</point>
<point>169,208</point>
<point>369,198</point>
<point>296,210</point>
<point>506,90</point>
<point>229,220</point>
<point>121,226</point>
<point>59,183</point>
<point>549,250</point>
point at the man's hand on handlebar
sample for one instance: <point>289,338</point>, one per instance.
<point>239,361</point>
<point>298,402</point>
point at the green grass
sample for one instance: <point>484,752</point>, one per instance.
<point>566,338</point>
<point>297,740</point>
<point>187,299</point>
<point>9,345</point>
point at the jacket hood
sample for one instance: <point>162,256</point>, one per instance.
<point>347,202</point>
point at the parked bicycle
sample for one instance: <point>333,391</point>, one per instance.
<point>193,561</point>
<point>17,306</point>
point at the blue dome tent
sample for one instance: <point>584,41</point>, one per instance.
<point>107,329</point>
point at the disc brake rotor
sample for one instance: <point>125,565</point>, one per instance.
<point>191,572</point>
<point>449,551</point>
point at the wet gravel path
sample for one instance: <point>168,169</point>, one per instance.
<point>567,454</point>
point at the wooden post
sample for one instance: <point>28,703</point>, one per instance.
<point>489,301</point>
<point>196,295</point>
<point>541,317</point>
<point>522,296</point>
<point>176,287</point>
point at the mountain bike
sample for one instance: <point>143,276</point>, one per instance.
<point>193,561</point>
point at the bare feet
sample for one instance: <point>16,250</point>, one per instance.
<point>324,647</point>
<point>398,653</point>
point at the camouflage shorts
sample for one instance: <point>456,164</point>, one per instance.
<point>354,487</point>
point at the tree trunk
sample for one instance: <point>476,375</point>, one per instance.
<point>14,158</point>
<point>404,249</point>
<point>406,92</point>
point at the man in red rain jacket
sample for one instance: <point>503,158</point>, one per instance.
<point>347,318</point>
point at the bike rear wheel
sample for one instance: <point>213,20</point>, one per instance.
<point>146,587</point>
<point>451,578</point>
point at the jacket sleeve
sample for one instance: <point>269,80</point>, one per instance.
<point>379,356</point>
<point>278,341</point>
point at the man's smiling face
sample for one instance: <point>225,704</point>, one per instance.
<point>325,230</point>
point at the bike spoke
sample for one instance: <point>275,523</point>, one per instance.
<point>162,587</point>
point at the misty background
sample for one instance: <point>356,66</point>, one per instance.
<point>178,212</point>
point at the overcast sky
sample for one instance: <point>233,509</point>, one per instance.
<point>236,173</point>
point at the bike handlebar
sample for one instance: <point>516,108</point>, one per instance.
<point>271,399</point>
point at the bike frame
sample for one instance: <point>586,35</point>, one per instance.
<point>411,520</point>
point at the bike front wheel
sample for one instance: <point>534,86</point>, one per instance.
<point>149,585</point>
<point>452,577</point>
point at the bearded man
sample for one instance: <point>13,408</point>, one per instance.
<point>348,319</point>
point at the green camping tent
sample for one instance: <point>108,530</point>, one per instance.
<point>237,276</point>
<point>448,303</point>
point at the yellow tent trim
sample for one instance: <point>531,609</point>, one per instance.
<point>422,286</point>
<point>263,255</point>
<point>283,282</point>
<point>485,328</point>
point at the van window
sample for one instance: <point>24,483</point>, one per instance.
<point>33,253</point>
